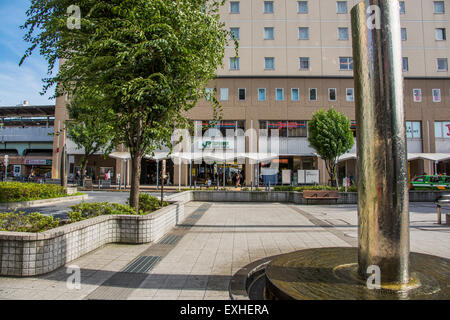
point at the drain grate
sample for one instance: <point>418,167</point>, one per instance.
<point>142,264</point>
<point>170,239</point>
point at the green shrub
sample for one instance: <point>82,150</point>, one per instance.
<point>349,189</point>
<point>16,191</point>
<point>148,203</point>
<point>85,210</point>
<point>301,188</point>
<point>21,222</point>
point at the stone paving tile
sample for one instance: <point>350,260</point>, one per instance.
<point>224,239</point>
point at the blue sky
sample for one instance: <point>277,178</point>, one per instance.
<point>19,83</point>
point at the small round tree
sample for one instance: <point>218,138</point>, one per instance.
<point>331,136</point>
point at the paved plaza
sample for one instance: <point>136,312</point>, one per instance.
<point>197,259</point>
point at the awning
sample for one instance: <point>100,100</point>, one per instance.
<point>127,156</point>
<point>411,156</point>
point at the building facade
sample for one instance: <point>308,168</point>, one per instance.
<point>26,137</point>
<point>294,58</point>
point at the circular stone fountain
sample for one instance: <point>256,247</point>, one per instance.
<point>331,274</point>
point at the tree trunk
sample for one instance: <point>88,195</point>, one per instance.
<point>84,163</point>
<point>135,183</point>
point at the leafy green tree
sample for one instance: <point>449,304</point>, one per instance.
<point>331,136</point>
<point>89,128</point>
<point>149,60</point>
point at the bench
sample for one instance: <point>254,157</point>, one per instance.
<point>320,195</point>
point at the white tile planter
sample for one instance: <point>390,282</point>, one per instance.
<point>30,254</point>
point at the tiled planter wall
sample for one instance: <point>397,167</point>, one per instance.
<point>29,254</point>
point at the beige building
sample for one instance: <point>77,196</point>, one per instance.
<point>294,58</point>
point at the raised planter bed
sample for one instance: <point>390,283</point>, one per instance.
<point>31,254</point>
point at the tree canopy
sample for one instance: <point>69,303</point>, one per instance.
<point>331,136</point>
<point>148,60</point>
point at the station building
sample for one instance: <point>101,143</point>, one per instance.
<point>295,57</point>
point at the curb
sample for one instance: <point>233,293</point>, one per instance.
<point>43,202</point>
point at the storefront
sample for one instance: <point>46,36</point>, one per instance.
<point>290,170</point>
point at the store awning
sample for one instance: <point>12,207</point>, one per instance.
<point>127,156</point>
<point>411,156</point>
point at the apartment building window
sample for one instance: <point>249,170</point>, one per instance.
<point>279,94</point>
<point>304,63</point>
<point>442,64</point>
<point>268,6</point>
<point>302,7</point>
<point>312,94</point>
<point>234,63</point>
<point>297,129</point>
<point>436,95</point>
<point>332,94</point>
<point>343,33</point>
<point>439,7</point>
<point>209,92</point>
<point>413,130</point>
<point>268,33</point>
<point>295,94</point>
<point>269,63</point>
<point>262,94</point>
<point>346,63</point>
<point>404,35</point>
<point>417,95</point>
<point>235,7</point>
<point>441,34</point>
<point>442,129</point>
<point>350,94</point>
<point>402,7</point>
<point>405,64</point>
<point>235,32</point>
<point>303,33</point>
<point>223,94</point>
<point>242,94</point>
<point>341,6</point>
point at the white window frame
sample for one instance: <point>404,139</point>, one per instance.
<point>265,94</point>
<point>282,94</point>
<point>239,7</point>
<point>433,97</point>
<point>245,93</point>
<point>347,95</point>
<point>209,92</point>
<point>405,33</point>
<point>434,7</point>
<point>298,94</point>
<point>307,33</point>
<point>300,63</point>
<point>329,94</point>
<point>309,94</point>
<point>349,63</point>
<point>443,34</point>
<point>339,34</point>
<point>264,7</point>
<point>273,33</point>
<point>437,62</point>
<point>400,7</point>
<point>337,7</point>
<point>265,61</point>
<point>298,7</point>
<point>403,64</point>
<point>222,94</point>
<point>420,95</point>
<point>238,63</point>
<point>238,33</point>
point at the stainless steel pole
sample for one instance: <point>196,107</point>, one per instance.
<point>383,212</point>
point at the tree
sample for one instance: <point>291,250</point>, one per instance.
<point>89,129</point>
<point>148,59</point>
<point>331,136</point>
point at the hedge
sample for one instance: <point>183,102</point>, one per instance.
<point>16,191</point>
<point>21,222</point>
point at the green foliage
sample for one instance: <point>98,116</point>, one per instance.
<point>148,61</point>
<point>16,191</point>
<point>85,210</point>
<point>349,189</point>
<point>331,136</point>
<point>301,188</point>
<point>21,222</point>
<point>148,203</point>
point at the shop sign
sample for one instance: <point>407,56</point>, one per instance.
<point>215,144</point>
<point>37,162</point>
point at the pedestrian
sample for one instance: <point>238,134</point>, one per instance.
<point>238,180</point>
